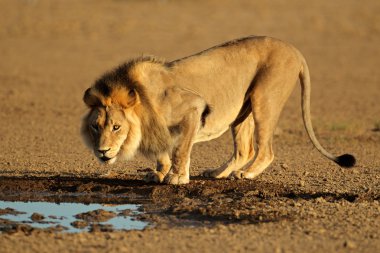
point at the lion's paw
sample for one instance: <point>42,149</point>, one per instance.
<point>213,173</point>
<point>240,174</point>
<point>176,179</point>
<point>154,176</point>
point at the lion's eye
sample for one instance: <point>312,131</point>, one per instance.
<point>95,127</point>
<point>116,127</point>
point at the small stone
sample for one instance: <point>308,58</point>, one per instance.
<point>320,200</point>
<point>349,244</point>
<point>37,217</point>
<point>126,212</point>
<point>96,227</point>
<point>302,183</point>
<point>284,166</point>
<point>79,224</point>
<point>99,215</point>
<point>11,211</point>
<point>237,214</point>
<point>228,200</point>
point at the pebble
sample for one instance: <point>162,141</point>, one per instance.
<point>228,200</point>
<point>79,224</point>
<point>349,244</point>
<point>37,217</point>
<point>320,200</point>
<point>284,166</point>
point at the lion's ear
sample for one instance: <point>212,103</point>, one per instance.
<point>90,98</point>
<point>127,98</point>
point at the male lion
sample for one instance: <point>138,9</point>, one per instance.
<point>162,108</point>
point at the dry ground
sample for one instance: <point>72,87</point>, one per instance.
<point>52,50</point>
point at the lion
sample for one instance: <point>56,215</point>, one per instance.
<point>161,109</point>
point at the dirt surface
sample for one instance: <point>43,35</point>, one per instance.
<point>52,51</point>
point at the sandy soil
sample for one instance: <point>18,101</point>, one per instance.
<point>52,51</point>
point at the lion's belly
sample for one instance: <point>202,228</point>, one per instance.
<point>223,113</point>
<point>219,121</point>
<point>209,135</point>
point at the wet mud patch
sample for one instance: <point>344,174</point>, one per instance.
<point>200,203</point>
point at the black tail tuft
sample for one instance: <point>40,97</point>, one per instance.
<point>346,160</point>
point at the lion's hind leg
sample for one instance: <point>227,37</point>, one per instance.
<point>264,127</point>
<point>267,100</point>
<point>243,150</point>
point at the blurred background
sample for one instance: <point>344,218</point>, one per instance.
<point>51,51</point>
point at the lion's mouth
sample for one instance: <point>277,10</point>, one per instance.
<point>105,158</point>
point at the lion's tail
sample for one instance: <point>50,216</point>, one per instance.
<point>345,160</point>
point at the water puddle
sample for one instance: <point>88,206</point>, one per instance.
<point>69,217</point>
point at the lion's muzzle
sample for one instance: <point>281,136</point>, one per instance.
<point>106,155</point>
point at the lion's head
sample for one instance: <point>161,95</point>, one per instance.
<point>112,127</point>
<point>122,120</point>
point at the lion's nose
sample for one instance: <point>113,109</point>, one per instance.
<point>103,151</point>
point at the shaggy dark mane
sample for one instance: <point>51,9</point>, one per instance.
<point>120,76</point>
<point>155,135</point>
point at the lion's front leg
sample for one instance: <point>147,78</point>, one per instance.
<point>179,173</point>
<point>163,166</point>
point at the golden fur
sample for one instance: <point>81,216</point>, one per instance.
<point>162,108</point>
<point>146,131</point>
